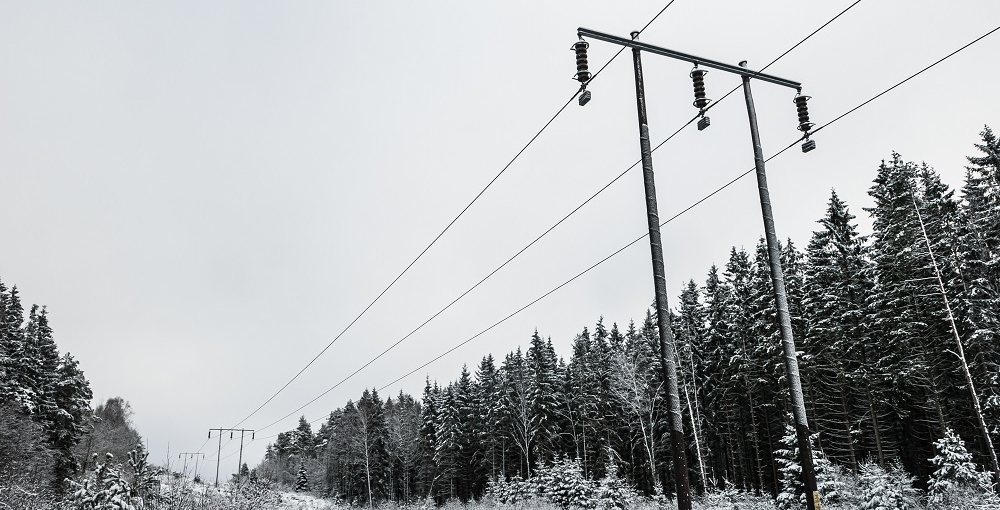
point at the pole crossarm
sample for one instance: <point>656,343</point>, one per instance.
<point>729,68</point>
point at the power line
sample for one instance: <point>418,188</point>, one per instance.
<point>789,50</point>
<point>477,284</point>
<point>446,228</point>
<point>563,219</point>
<point>914,75</point>
<point>683,211</point>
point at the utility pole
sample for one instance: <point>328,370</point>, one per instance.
<point>784,317</point>
<point>218,456</point>
<point>187,456</point>
<point>667,347</point>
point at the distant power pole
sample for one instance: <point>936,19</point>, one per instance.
<point>218,456</point>
<point>187,456</point>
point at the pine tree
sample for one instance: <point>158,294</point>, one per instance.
<point>792,494</point>
<point>901,304</point>
<point>544,395</point>
<point>301,479</point>
<point>843,384</point>
<point>71,397</point>
<point>486,395</point>
<point>954,471</point>
<point>427,471</point>
<point>16,386</point>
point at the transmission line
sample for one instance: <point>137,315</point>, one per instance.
<point>683,211</point>
<point>443,231</point>
<point>564,218</point>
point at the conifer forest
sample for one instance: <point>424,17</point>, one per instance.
<point>885,388</point>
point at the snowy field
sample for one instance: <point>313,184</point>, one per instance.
<point>297,501</point>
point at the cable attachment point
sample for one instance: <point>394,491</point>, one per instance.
<point>802,109</point>
<point>700,101</point>
<point>584,95</point>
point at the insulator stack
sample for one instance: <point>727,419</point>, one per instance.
<point>698,77</point>
<point>700,101</point>
<point>802,109</point>
<point>582,68</point>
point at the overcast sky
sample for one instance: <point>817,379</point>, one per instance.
<point>205,194</point>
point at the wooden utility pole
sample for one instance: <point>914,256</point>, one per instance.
<point>667,348</point>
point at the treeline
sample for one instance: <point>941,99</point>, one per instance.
<point>878,361</point>
<point>49,434</point>
<point>44,400</point>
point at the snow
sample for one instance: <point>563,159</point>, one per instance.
<point>300,501</point>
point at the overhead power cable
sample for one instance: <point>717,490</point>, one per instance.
<point>443,231</point>
<point>683,211</point>
<point>554,226</point>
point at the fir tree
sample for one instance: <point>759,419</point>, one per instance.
<point>954,471</point>
<point>301,479</point>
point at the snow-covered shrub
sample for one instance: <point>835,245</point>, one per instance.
<point>883,489</point>
<point>956,483</point>
<point>105,489</point>
<point>501,492</point>
<point>134,486</point>
<point>613,491</point>
<point>564,485</point>
<point>732,498</point>
<point>254,495</point>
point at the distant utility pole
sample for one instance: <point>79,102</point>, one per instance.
<point>187,456</point>
<point>667,347</point>
<point>218,456</point>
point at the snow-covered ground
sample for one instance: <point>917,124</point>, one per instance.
<point>299,501</point>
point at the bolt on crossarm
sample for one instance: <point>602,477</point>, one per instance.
<point>777,275</point>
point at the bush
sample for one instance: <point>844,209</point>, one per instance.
<point>882,489</point>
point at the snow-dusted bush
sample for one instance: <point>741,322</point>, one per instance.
<point>134,486</point>
<point>885,489</point>
<point>613,491</point>
<point>564,485</point>
<point>502,492</point>
<point>732,498</point>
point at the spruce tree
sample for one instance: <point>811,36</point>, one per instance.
<point>955,475</point>
<point>544,394</point>
<point>301,478</point>
<point>847,400</point>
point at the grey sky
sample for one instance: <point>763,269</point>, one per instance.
<point>205,194</point>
